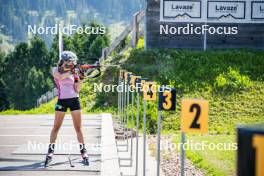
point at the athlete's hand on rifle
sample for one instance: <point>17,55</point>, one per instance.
<point>86,71</point>
<point>82,73</point>
<point>70,64</point>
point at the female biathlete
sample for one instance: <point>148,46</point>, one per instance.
<point>68,85</point>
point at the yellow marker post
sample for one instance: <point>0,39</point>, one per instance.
<point>126,75</point>
<point>167,102</point>
<point>194,119</point>
<point>149,94</point>
<point>250,150</point>
<point>128,81</point>
<point>150,91</point>
<point>133,81</point>
<point>142,82</point>
<point>126,103</point>
<point>194,116</point>
<point>258,144</point>
<point>121,74</point>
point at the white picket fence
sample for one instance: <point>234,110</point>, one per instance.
<point>47,96</point>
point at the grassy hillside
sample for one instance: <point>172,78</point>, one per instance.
<point>232,81</point>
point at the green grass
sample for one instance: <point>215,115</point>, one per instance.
<point>87,100</point>
<point>47,108</point>
<point>215,162</point>
<point>232,81</point>
<point>225,112</point>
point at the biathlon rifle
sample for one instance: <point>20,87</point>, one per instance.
<point>87,70</point>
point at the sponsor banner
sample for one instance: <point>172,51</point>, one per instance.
<point>257,10</point>
<point>213,11</point>
<point>182,9</point>
<point>225,9</point>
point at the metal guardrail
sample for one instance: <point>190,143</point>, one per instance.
<point>136,33</point>
<point>47,96</point>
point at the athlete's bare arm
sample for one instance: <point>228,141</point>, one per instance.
<point>60,76</point>
<point>78,86</point>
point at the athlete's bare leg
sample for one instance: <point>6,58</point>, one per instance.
<point>59,116</point>
<point>77,122</point>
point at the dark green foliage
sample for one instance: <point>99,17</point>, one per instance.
<point>189,70</point>
<point>88,47</point>
<point>231,81</point>
<point>26,72</point>
<point>3,97</point>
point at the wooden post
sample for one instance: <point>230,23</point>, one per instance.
<point>145,25</point>
<point>46,95</point>
<point>135,29</point>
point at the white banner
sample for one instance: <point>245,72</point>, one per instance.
<point>212,11</point>
<point>181,9</point>
<point>257,10</point>
<point>226,9</point>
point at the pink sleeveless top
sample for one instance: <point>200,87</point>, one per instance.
<point>65,87</point>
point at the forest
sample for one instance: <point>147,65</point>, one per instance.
<point>25,72</point>
<point>15,15</point>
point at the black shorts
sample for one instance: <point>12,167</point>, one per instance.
<point>72,103</point>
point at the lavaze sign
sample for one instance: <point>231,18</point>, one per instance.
<point>218,10</point>
<point>212,11</point>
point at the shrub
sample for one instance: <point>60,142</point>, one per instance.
<point>140,43</point>
<point>232,80</point>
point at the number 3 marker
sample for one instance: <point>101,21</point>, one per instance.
<point>167,100</point>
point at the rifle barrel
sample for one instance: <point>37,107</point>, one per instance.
<point>86,66</point>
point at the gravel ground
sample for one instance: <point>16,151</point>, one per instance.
<point>170,160</point>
